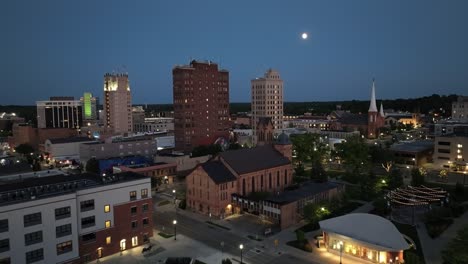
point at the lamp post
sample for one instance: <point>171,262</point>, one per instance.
<point>174,193</point>
<point>241,247</point>
<point>340,244</point>
<point>175,229</point>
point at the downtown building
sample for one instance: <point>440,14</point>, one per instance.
<point>60,112</point>
<point>201,104</point>
<point>267,101</point>
<point>73,218</point>
<point>117,104</point>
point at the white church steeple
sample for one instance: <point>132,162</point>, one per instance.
<point>373,104</point>
<point>382,114</point>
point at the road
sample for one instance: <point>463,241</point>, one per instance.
<point>212,236</point>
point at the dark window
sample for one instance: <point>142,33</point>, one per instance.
<point>443,143</point>
<point>88,237</point>
<point>277,179</point>
<point>32,219</point>
<point>443,150</point>
<point>7,260</point>
<point>3,225</point>
<point>145,221</point>
<point>33,238</point>
<point>144,193</point>
<point>88,221</point>
<point>87,205</point>
<point>133,210</point>
<point>34,256</point>
<point>269,180</point>
<point>133,195</point>
<point>443,158</point>
<point>4,245</point>
<point>145,207</point>
<point>64,247</point>
<point>134,224</point>
<point>285,177</point>
<point>63,230</point>
<point>63,212</point>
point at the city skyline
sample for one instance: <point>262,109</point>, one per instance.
<point>412,49</point>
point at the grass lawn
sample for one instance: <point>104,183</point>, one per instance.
<point>347,208</point>
<point>413,234</point>
<point>302,245</point>
<point>165,235</point>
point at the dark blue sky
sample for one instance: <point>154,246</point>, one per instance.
<point>412,48</point>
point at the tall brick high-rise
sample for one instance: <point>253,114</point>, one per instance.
<point>201,104</point>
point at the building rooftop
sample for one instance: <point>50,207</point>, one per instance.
<point>44,187</point>
<point>371,229</point>
<point>304,191</point>
<point>354,119</point>
<point>218,172</point>
<point>413,147</point>
<point>14,168</point>
<point>70,140</point>
<point>254,159</point>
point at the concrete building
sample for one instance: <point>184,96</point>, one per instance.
<point>117,103</point>
<point>60,112</point>
<point>65,148</point>
<point>182,161</point>
<point>267,100</point>
<point>74,218</point>
<point>164,173</point>
<point>414,154</point>
<point>144,145</point>
<point>451,151</point>
<point>90,112</point>
<point>242,172</point>
<point>313,124</point>
<point>201,104</point>
<point>460,109</point>
<point>448,127</point>
<point>153,124</point>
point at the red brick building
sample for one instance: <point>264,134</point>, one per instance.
<point>201,104</point>
<point>211,185</point>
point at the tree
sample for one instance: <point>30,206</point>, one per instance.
<point>355,154</point>
<point>411,258</point>
<point>309,148</point>
<point>234,146</point>
<point>24,149</point>
<point>203,150</point>
<point>368,183</point>
<point>318,172</point>
<point>382,156</point>
<point>417,177</point>
<point>456,251</point>
<point>395,179</point>
<point>315,212</point>
<point>92,166</point>
<point>226,261</point>
<point>380,205</point>
<point>36,166</point>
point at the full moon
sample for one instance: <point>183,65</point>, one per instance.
<point>304,36</point>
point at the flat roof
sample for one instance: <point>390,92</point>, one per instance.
<point>70,140</point>
<point>304,191</point>
<point>413,147</point>
<point>43,187</point>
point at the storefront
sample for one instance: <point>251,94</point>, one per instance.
<point>364,236</point>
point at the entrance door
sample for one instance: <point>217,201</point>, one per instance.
<point>123,244</point>
<point>99,252</point>
<point>134,241</point>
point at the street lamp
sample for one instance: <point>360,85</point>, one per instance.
<point>175,229</point>
<point>340,246</point>
<point>241,247</point>
<point>383,181</point>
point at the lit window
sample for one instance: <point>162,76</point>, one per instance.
<point>460,146</point>
<point>106,208</point>
<point>459,157</point>
<point>108,240</point>
<point>108,224</point>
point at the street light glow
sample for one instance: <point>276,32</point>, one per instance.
<point>241,246</point>
<point>174,222</point>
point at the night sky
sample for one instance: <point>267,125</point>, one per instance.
<point>412,48</point>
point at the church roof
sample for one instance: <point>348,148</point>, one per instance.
<point>218,172</point>
<point>254,159</point>
<point>353,119</point>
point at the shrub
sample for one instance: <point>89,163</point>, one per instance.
<point>459,189</point>
<point>226,261</point>
<point>411,258</point>
<point>300,236</point>
<point>183,204</point>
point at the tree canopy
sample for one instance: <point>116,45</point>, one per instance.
<point>92,165</point>
<point>355,154</point>
<point>24,149</point>
<point>203,150</point>
<point>309,147</point>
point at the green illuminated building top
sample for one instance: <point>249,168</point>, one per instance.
<point>87,105</point>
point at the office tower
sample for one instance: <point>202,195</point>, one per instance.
<point>267,101</point>
<point>59,112</point>
<point>117,103</point>
<point>460,109</point>
<point>201,104</point>
<point>89,104</point>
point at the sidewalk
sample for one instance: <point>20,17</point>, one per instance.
<point>432,248</point>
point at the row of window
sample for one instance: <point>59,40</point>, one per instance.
<point>38,254</point>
